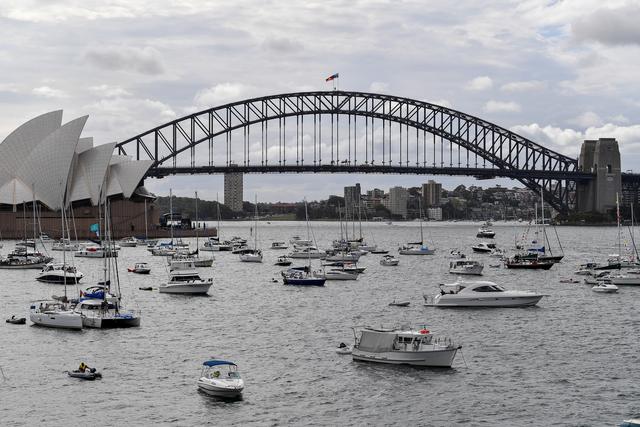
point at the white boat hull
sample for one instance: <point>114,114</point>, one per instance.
<point>522,301</point>
<point>442,357</point>
<point>228,392</point>
<point>475,270</point>
<point>390,263</point>
<point>188,288</point>
<point>417,251</point>
<point>250,258</point>
<point>62,320</point>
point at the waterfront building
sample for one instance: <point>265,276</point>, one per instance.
<point>431,192</point>
<point>352,199</point>
<point>397,201</point>
<point>434,214</point>
<point>233,191</point>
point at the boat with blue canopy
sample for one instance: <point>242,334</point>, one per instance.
<point>220,378</point>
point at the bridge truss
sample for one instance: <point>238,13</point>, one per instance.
<point>352,132</point>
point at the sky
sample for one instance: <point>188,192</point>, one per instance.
<point>557,72</point>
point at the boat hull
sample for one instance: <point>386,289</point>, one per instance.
<point>435,358</point>
<point>530,266</point>
<point>524,301</point>
<point>59,279</point>
<point>61,320</point>
<point>417,251</point>
<point>476,270</point>
<point>316,281</point>
<point>223,392</point>
<point>111,322</point>
<point>185,288</point>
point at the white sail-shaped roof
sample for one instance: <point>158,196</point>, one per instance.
<point>51,160</point>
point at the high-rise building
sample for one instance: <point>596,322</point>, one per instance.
<point>233,191</point>
<point>351,199</point>
<point>431,192</point>
<point>398,197</point>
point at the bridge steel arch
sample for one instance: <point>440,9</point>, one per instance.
<point>477,142</point>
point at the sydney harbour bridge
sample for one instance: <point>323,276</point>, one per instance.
<point>355,132</point>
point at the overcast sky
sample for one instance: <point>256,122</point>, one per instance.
<point>556,72</point>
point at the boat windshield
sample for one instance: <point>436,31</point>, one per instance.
<point>488,288</point>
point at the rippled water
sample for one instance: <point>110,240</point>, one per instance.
<point>573,360</point>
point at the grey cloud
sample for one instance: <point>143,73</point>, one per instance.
<point>145,60</point>
<point>610,26</point>
<point>283,45</point>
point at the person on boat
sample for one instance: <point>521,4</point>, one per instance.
<point>342,345</point>
<point>216,374</point>
<point>83,367</point>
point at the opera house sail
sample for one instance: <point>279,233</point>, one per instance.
<point>47,161</point>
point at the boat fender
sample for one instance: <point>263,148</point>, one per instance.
<point>424,331</point>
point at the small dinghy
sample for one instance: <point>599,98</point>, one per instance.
<point>145,288</point>
<point>569,280</point>
<point>17,320</point>
<point>140,268</point>
<point>343,349</point>
<point>380,252</point>
<point>605,288</point>
<point>88,374</point>
<point>395,303</point>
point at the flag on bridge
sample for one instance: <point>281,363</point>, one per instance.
<point>333,76</point>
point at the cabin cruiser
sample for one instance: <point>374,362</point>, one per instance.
<point>456,254</point>
<point>480,294</point>
<point>336,274</point>
<point>466,266</point>
<point>215,245</point>
<point>251,255</point>
<point>65,245</point>
<point>101,309</point>
<point>308,252</point>
<point>352,256</point>
<point>279,245</point>
<point>403,346</point>
<point>486,232</point>
<point>221,378</point>
<point>299,241</point>
<point>347,266</point>
<point>415,249</point>
<point>54,314</point>
<point>59,274</point>
<point>184,279</point>
<point>483,247</point>
<point>140,268</point>
<point>605,288</point>
<point>129,242</point>
<point>96,252</point>
<point>283,261</point>
<point>389,261</point>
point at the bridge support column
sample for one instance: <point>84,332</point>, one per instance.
<point>601,157</point>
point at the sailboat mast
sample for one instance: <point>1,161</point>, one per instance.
<point>171,212</point>
<point>255,232</point>
<point>218,212</point>
<point>421,233</point>
<point>197,240</point>
<point>306,215</point>
<point>146,230</point>
<point>33,192</point>
<point>618,221</point>
<point>360,220</point>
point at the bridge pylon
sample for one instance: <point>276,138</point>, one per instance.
<point>602,158</point>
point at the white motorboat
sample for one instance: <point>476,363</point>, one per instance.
<point>279,245</point>
<point>96,252</point>
<point>186,280</point>
<point>140,268</point>
<point>415,249</point>
<point>351,256</point>
<point>59,274</point>
<point>466,266</point>
<point>456,254</point>
<point>605,288</point>
<point>335,274</point>
<point>54,314</point>
<point>221,378</point>
<point>308,252</point>
<point>389,261</point>
<point>283,261</point>
<point>403,346</point>
<point>65,245</point>
<point>486,232</point>
<point>299,241</point>
<point>483,247</point>
<point>215,245</point>
<point>129,242</point>
<point>253,255</point>
<point>481,294</point>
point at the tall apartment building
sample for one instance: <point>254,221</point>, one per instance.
<point>351,199</point>
<point>233,191</point>
<point>431,192</point>
<point>397,204</point>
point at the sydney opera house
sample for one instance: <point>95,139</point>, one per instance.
<point>50,163</point>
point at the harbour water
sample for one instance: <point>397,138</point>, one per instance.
<point>572,360</point>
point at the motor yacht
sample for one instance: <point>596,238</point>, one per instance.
<point>466,266</point>
<point>485,232</point>
<point>481,294</point>
<point>54,314</point>
<point>349,267</point>
<point>336,274</point>
<point>483,247</point>
<point>213,244</point>
<point>403,346</point>
<point>605,288</point>
<point>129,242</point>
<point>65,245</point>
<point>221,378</point>
<point>59,274</point>
<point>185,280</point>
<point>279,245</point>
<point>308,252</point>
<point>251,255</point>
<point>140,268</point>
<point>389,261</point>
<point>96,252</point>
<point>283,261</point>
<point>456,254</point>
<point>351,256</point>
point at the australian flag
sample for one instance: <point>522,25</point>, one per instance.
<point>333,76</point>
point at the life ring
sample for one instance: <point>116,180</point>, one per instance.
<point>424,331</point>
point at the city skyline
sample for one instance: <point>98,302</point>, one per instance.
<point>552,72</point>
